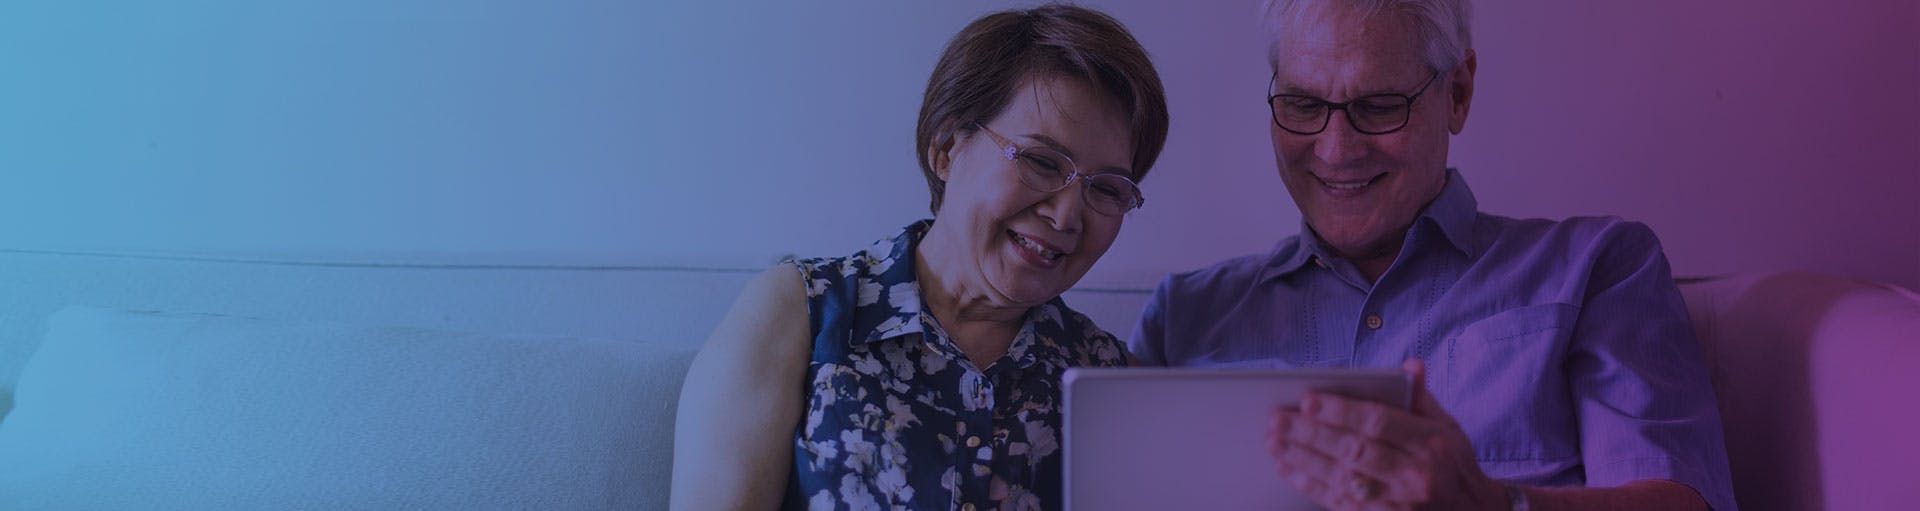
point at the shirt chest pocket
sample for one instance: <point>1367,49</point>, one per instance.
<point>1504,382</point>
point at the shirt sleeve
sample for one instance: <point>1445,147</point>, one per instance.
<point>1149,336</point>
<point>1640,384</point>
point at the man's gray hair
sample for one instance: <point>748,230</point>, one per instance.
<point>1442,25</point>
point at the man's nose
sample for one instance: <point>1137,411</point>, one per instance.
<point>1340,142</point>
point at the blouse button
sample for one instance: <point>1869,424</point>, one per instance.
<point>1374,322</point>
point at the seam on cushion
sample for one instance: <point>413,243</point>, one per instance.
<point>1645,467</point>
<point>1668,468</point>
<point>1529,458</point>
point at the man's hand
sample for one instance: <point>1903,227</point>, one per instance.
<point>1353,454</point>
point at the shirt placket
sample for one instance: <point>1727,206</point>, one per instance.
<point>1366,335</point>
<point>976,481</point>
<point>1392,304</point>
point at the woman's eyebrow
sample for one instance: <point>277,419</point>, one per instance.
<point>1050,143</point>
<point>1062,148</point>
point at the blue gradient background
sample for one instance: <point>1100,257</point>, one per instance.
<point>1751,135</point>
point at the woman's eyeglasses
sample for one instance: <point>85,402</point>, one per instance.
<point>1046,170</point>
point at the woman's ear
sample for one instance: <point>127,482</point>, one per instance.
<point>940,154</point>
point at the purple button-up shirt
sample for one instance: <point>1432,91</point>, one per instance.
<point>1562,347</point>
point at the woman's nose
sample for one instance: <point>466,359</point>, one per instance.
<point>1064,209</point>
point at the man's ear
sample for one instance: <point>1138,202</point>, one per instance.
<point>1461,91</point>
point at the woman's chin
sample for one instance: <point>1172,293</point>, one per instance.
<point>1027,282</point>
<point>1028,291</point>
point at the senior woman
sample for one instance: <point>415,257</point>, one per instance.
<point>924,371</point>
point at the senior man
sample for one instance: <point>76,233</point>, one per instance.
<point>1558,367</point>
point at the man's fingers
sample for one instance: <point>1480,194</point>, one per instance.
<point>1373,420</point>
<point>1348,449</point>
<point>1424,404</point>
<point>1303,455</point>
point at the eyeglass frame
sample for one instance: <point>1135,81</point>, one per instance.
<point>1327,119</point>
<point>1013,152</point>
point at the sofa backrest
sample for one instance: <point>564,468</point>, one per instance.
<point>172,411</point>
<point>591,299</point>
<point>1815,378</point>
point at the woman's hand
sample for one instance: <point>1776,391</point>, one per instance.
<point>1354,454</point>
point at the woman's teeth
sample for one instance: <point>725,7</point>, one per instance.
<point>1023,241</point>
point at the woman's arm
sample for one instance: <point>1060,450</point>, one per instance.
<point>733,436</point>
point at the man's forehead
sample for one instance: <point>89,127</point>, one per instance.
<point>1317,32</point>
<point>1320,52</point>
<point>1319,74</point>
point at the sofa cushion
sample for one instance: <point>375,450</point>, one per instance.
<point>155,410</point>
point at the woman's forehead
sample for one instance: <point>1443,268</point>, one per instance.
<point>1086,123</point>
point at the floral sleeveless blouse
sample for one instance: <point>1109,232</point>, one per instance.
<point>898,418</point>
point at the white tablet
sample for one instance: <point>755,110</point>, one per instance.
<point>1158,439</point>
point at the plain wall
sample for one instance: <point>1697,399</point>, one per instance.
<point>1751,135</point>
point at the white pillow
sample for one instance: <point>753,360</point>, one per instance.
<point>123,410</point>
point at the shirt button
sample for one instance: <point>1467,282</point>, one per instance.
<point>1374,322</point>
<point>973,441</point>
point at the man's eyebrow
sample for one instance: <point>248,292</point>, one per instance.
<point>1062,148</point>
<point>1293,90</point>
<point>1381,90</point>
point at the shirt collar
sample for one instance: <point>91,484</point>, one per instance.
<point>888,298</point>
<point>886,291</point>
<point>1292,254</point>
<point>1453,212</point>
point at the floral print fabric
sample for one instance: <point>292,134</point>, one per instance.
<point>897,417</point>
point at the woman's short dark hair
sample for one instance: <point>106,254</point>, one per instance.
<point>977,75</point>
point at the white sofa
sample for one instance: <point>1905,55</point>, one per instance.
<point>384,385</point>
<point>350,384</point>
